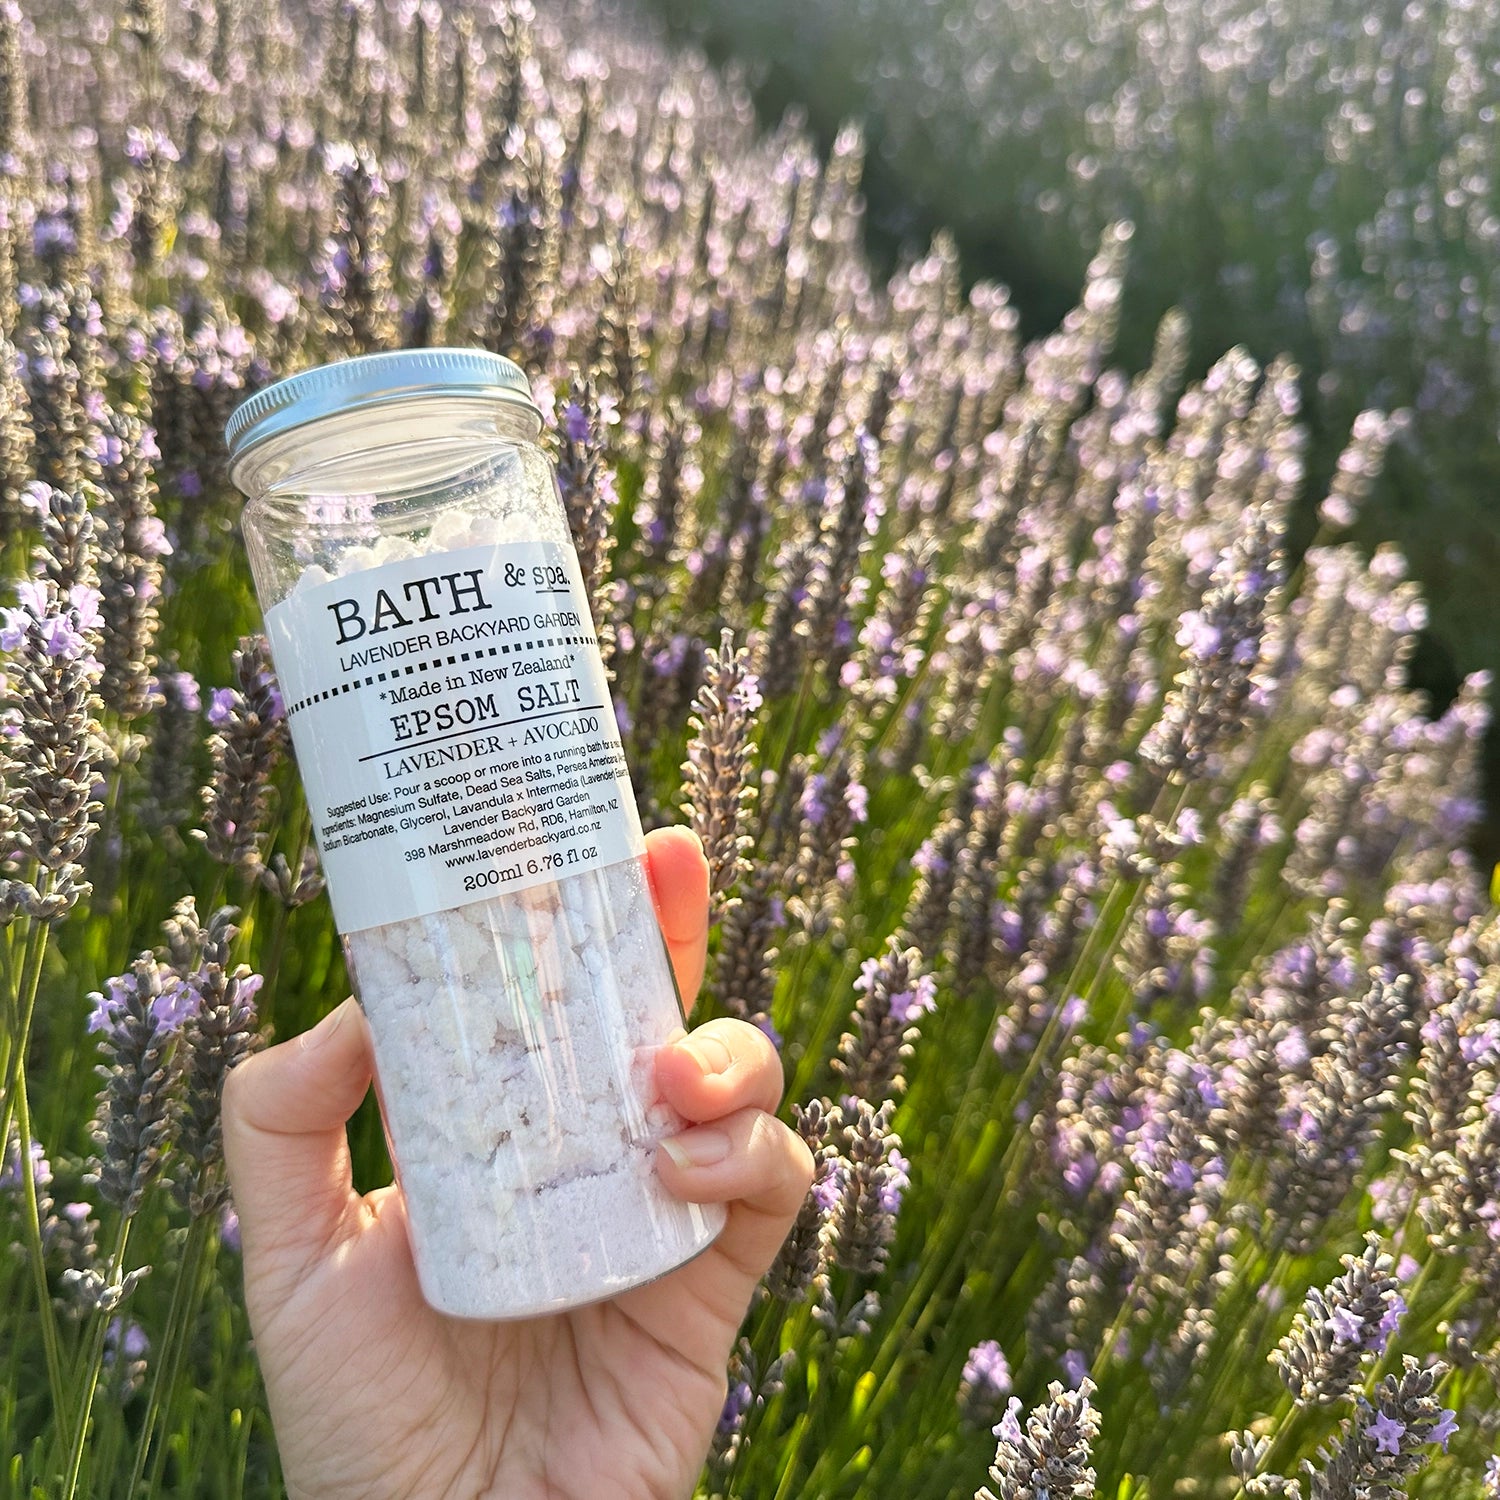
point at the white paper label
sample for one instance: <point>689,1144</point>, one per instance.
<point>453,728</point>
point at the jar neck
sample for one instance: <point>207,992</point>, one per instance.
<point>404,445</point>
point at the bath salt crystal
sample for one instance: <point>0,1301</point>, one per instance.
<point>519,1094</point>
<point>464,775</point>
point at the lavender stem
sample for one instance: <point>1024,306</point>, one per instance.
<point>34,1253</point>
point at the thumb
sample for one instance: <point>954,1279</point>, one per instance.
<point>284,1139</point>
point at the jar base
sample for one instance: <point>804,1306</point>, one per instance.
<point>545,1308</point>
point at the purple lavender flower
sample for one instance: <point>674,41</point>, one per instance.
<point>170,770</point>
<point>1444,1428</point>
<point>832,802</point>
<point>896,1182</point>
<point>229,1228</point>
<point>176,1003</point>
<point>1008,1428</point>
<point>984,1384</point>
<point>49,763</point>
<point>10,1165</point>
<point>107,1005</point>
<point>1387,1432</point>
<point>124,1359</point>
<point>891,649</point>
<point>736,1403</point>
<point>125,1338</point>
<point>748,1388</point>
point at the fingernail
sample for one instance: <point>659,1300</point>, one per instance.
<point>699,1147</point>
<point>712,1055</point>
<point>323,1032</point>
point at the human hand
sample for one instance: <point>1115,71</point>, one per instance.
<point>374,1394</point>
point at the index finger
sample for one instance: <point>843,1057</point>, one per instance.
<point>678,873</point>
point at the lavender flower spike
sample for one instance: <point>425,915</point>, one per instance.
<point>133,544</point>
<point>1359,466</point>
<point>984,1384</point>
<point>251,723</point>
<point>744,980</point>
<point>748,1390</point>
<point>138,1017</point>
<point>586,480</point>
<point>1340,1329</point>
<point>1391,1437</point>
<point>1221,641</point>
<point>16,438</point>
<point>358,302</point>
<point>56,751</point>
<point>893,994</point>
<point>219,1034</point>
<point>873,1179</point>
<point>805,1250</point>
<point>719,783</point>
<point>1050,1455</point>
<point>890,642</point>
<point>68,552</point>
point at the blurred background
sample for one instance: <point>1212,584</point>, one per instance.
<point>1315,177</point>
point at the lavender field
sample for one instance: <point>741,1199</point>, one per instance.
<point>1320,177</point>
<point>1093,864</point>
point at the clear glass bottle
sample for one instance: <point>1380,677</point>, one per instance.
<point>453,727</point>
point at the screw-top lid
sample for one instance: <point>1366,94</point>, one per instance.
<point>373,380</point>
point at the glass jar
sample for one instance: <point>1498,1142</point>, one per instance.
<point>454,731</point>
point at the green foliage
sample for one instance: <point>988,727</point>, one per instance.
<point>1310,179</point>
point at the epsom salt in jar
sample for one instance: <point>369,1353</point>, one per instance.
<point>453,728</point>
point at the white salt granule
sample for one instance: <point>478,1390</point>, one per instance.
<point>515,1040</point>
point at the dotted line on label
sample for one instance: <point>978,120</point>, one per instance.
<point>436,664</point>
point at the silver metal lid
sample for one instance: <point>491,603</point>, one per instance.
<point>373,380</point>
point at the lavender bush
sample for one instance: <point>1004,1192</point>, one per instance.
<point>1092,863</point>
<point>1316,177</point>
